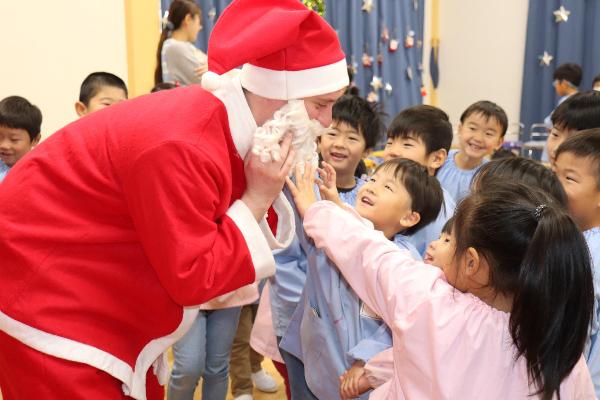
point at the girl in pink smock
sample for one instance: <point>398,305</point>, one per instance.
<point>507,318</point>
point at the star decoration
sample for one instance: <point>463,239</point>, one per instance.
<point>561,15</point>
<point>393,45</point>
<point>212,14</point>
<point>367,60</point>
<point>388,88</point>
<point>376,83</point>
<point>372,97</point>
<point>545,59</point>
<point>367,5</point>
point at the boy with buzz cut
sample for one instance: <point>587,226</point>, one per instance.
<point>580,111</point>
<point>423,134</point>
<point>20,124</point>
<point>100,90</point>
<point>577,166</point>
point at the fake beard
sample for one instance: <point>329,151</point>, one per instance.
<point>292,118</point>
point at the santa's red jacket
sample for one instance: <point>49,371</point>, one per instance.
<point>119,221</point>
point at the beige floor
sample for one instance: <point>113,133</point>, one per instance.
<point>258,395</point>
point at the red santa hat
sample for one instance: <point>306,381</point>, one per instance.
<point>287,51</point>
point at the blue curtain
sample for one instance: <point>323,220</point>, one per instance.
<point>577,40</point>
<point>361,32</point>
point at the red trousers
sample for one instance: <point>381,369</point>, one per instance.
<point>27,374</point>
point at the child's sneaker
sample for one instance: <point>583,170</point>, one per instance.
<point>264,382</point>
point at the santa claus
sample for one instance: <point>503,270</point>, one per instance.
<point>116,226</point>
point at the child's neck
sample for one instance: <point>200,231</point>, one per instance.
<point>493,299</point>
<point>463,161</point>
<point>345,180</point>
<point>179,34</point>
<point>587,225</point>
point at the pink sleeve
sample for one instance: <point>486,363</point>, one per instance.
<point>388,279</point>
<point>380,368</point>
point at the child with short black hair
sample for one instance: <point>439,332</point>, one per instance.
<point>580,111</point>
<point>100,90</point>
<point>423,134</point>
<point>578,169</point>
<point>508,319</point>
<point>331,321</point>
<point>355,130</point>
<point>481,132</point>
<point>20,125</point>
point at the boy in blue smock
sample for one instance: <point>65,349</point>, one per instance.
<point>331,321</point>
<point>577,166</point>
<point>480,133</point>
<point>354,132</point>
<point>423,134</point>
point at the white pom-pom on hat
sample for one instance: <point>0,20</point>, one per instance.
<point>211,81</point>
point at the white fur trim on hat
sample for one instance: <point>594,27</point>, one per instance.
<point>287,85</point>
<point>211,81</point>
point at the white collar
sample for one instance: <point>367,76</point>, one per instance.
<point>241,120</point>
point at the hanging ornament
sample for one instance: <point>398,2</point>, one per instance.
<point>409,73</point>
<point>388,88</point>
<point>379,55</point>
<point>367,5</point>
<point>561,15</point>
<point>416,4</point>
<point>376,83</point>
<point>545,59</point>
<point>409,41</point>
<point>419,44</point>
<point>385,34</point>
<point>420,67</point>
<point>423,91</point>
<point>393,46</point>
<point>372,97</point>
<point>317,6</point>
<point>367,60</point>
<point>353,65</point>
<point>212,13</point>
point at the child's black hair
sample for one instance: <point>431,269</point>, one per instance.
<point>18,113</point>
<point>502,153</point>
<point>360,115</point>
<point>488,110</point>
<point>538,257</point>
<point>425,191</point>
<point>519,169</point>
<point>94,82</point>
<point>584,144</point>
<point>569,72</point>
<point>578,112</point>
<point>163,86</point>
<point>448,226</point>
<point>426,123</point>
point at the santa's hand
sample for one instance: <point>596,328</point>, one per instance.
<point>327,185</point>
<point>264,181</point>
<point>303,189</point>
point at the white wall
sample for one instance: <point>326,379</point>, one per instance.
<point>481,54</point>
<point>49,47</point>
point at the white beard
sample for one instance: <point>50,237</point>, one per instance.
<point>292,118</point>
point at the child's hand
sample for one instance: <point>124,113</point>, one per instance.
<point>354,382</point>
<point>303,190</point>
<point>327,186</point>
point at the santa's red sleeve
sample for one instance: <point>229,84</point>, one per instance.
<point>199,244</point>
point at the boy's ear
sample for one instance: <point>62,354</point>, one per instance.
<point>36,139</point>
<point>410,220</point>
<point>80,109</point>
<point>437,158</point>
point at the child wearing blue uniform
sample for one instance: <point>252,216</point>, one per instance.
<point>480,133</point>
<point>332,329</point>
<point>423,134</point>
<point>354,132</point>
<point>577,166</point>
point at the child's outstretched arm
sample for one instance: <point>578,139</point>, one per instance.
<point>302,189</point>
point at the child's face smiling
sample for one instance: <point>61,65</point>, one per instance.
<point>555,139</point>
<point>342,147</point>
<point>385,202</point>
<point>408,147</point>
<point>14,144</point>
<point>479,136</point>
<point>578,178</point>
<point>440,252</point>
